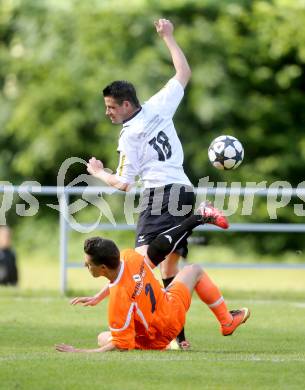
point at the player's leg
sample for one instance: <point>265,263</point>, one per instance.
<point>169,269</point>
<point>163,208</point>
<point>169,266</point>
<point>142,250</point>
<point>194,278</point>
<point>167,242</point>
<point>184,198</point>
<point>178,203</point>
<point>103,338</point>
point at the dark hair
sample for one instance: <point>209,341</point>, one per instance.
<point>102,251</point>
<point>122,90</point>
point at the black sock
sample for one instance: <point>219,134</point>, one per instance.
<point>167,281</point>
<point>167,241</point>
<point>181,336</point>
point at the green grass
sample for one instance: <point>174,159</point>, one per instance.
<point>266,353</point>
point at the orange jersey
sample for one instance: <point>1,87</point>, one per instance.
<point>143,315</point>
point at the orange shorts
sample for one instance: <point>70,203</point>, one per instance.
<point>179,297</point>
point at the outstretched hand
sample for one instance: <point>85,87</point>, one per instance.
<point>94,166</point>
<point>164,27</point>
<point>85,301</point>
<point>65,348</point>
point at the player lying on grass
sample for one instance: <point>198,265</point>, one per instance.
<point>142,315</point>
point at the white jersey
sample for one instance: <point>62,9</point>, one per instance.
<point>149,146</point>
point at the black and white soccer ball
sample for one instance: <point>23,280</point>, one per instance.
<point>226,152</point>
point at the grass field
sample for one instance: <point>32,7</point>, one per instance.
<point>266,353</point>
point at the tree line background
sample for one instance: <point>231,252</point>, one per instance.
<point>247,58</point>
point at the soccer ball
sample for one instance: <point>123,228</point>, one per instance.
<point>226,152</point>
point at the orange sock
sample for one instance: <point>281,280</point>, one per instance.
<point>210,294</point>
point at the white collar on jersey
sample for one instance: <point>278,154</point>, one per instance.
<point>118,278</point>
<point>133,115</point>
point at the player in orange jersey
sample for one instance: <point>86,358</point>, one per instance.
<point>141,314</point>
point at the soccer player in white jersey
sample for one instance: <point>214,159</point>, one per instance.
<point>149,147</point>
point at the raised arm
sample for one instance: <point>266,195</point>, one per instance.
<point>183,71</point>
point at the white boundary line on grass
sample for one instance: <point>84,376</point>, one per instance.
<point>270,302</point>
<point>163,356</point>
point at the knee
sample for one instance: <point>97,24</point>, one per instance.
<point>196,270</point>
<point>103,338</point>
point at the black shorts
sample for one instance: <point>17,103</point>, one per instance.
<point>161,209</point>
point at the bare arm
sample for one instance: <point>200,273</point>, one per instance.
<point>183,71</point>
<point>96,168</point>
<point>69,348</point>
<point>91,301</point>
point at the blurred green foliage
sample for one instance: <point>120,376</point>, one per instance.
<point>247,58</point>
